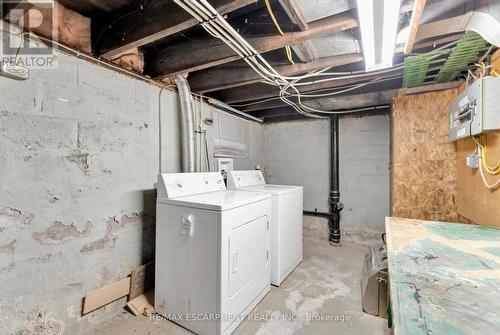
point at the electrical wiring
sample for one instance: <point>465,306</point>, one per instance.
<point>482,151</point>
<point>491,187</point>
<point>288,52</point>
<point>338,90</point>
<point>217,26</point>
<point>483,147</point>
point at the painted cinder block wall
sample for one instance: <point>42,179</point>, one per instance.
<point>296,153</point>
<point>79,158</point>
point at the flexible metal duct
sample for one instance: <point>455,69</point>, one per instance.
<point>188,140</point>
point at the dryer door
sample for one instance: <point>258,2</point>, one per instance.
<point>248,252</point>
<point>245,265</point>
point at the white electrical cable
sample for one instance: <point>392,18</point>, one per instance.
<point>218,27</point>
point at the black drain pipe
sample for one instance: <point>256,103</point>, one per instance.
<point>335,205</point>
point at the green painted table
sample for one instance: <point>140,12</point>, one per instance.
<point>444,277</point>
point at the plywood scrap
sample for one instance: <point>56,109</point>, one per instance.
<point>142,279</point>
<point>142,304</point>
<point>132,60</point>
<point>106,295</point>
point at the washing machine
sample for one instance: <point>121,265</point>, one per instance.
<point>286,220</point>
<point>212,262</point>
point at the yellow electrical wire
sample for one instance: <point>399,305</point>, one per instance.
<point>484,152</point>
<point>288,51</point>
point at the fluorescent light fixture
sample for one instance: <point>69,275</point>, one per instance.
<point>379,26</point>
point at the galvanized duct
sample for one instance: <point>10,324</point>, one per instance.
<point>188,136</point>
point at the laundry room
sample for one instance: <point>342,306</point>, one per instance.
<point>243,167</point>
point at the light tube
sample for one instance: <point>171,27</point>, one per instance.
<point>379,26</point>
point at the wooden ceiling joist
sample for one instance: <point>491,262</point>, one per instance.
<point>260,91</point>
<point>416,15</point>
<point>263,91</point>
<point>198,55</point>
<point>293,10</point>
<point>157,19</point>
<point>305,49</point>
<point>224,78</point>
<point>376,92</point>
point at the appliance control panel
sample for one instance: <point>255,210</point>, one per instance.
<point>236,179</point>
<point>173,185</point>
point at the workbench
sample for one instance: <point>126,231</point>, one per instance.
<point>444,278</point>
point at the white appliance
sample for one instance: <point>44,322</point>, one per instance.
<point>286,220</point>
<point>212,252</point>
<point>225,164</point>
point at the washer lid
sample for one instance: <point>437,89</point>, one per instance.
<point>217,201</point>
<point>272,189</point>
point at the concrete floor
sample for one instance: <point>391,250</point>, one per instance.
<point>325,285</point>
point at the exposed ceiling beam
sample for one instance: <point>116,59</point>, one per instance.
<point>289,114</point>
<point>198,55</point>
<point>378,97</point>
<point>185,57</point>
<point>305,50</point>
<point>360,95</point>
<point>435,29</point>
<point>157,19</point>
<point>261,91</point>
<point>223,78</point>
<point>294,12</point>
<point>416,15</point>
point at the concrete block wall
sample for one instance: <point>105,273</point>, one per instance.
<point>298,153</point>
<point>79,158</point>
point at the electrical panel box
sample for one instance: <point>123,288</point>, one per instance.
<point>476,110</point>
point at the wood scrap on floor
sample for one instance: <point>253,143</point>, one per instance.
<point>106,295</point>
<point>142,279</point>
<point>143,304</point>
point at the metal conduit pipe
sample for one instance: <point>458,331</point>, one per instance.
<point>335,205</point>
<point>188,136</point>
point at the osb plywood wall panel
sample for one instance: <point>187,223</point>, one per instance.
<point>474,201</point>
<point>424,177</point>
